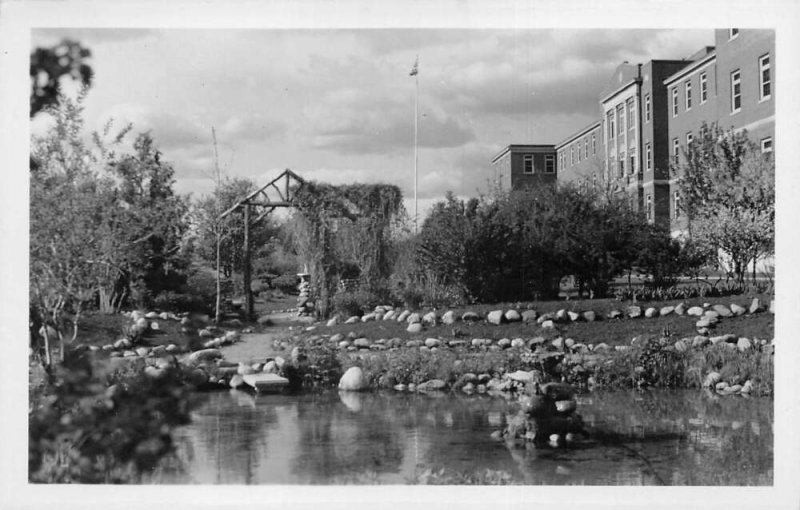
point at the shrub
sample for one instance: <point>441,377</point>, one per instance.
<point>286,283</point>
<point>354,302</point>
<point>180,302</point>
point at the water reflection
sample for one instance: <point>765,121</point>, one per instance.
<point>656,437</point>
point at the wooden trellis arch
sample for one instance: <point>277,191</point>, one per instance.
<point>279,192</point>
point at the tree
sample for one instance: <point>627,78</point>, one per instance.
<point>49,65</point>
<point>727,188</point>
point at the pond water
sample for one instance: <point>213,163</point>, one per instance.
<point>636,438</point>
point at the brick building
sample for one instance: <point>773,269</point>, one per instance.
<point>522,166</point>
<point>648,114</point>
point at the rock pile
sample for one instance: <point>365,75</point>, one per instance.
<point>305,305</point>
<point>547,415</point>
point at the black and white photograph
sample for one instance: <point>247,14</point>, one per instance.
<point>335,253</point>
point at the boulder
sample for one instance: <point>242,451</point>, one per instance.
<point>279,362</point>
<point>432,385</point>
<point>172,348</point>
<point>236,381</point>
<point>414,327</point>
<point>614,314</point>
<point>634,312</point>
<point>569,342</point>
<point>561,315</point>
<point>352,320</point>
<point>700,341</point>
<point>714,340</point>
<point>558,343</point>
<point>702,323</point>
<point>449,317</point>
<point>738,310</point>
<point>432,342</point>
<point>403,316</point>
<point>142,351</point>
<point>711,316</point>
<point>154,326</point>
<point>573,316</point>
<point>204,355</point>
<point>680,309</point>
<point>711,380</point>
<point>151,315</point>
<point>430,318</point>
<point>755,306</point>
<point>546,317</point>
<point>517,343</point>
<point>470,317</point>
<point>122,343</point>
<point>722,310</point>
<point>369,317</point>
<point>548,324</point>
<point>744,344</point>
<point>333,321</point>
<point>270,367</point>
<point>589,316</point>
<point>390,315</point>
<point>681,346</point>
<point>666,310</point>
<point>513,316</point>
<point>361,343</point>
<point>529,315</point>
<point>495,317</point>
<point>651,312</point>
<point>136,315</point>
<point>695,311</point>
<point>414,318</point>
<point>521,376</point>
<point>601,347</point>
<point>353,380</point>
<point>154,372</point>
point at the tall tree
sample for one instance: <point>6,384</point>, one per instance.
<point>49,65</point>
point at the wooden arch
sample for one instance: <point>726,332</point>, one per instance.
<point>279,192</point>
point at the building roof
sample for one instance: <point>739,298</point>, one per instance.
<point>594,125</point>
<point>691,67</point>
<point>524,148</point>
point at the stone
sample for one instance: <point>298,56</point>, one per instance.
<point>470,317</point>
<point>390,315</point>
<point>204,355</point>
<point>589,316</point>
<point>136,315</point>
<point>521,376</point>
<point>142,351</point>
<point>333,321</point>
<point>400,387</point>
<point>538,340</point>
<point>666,310</point>
<point>721,386</point>
<point>744,344</point>
<point>266,382</point>
<point>702,323</point>
<point>344,344</point>
<point>601,347</point>
<point>614,314</point>
<point>681,346</point>
<point>154,372</point>
<point>722,310</point>
<point>129,354</point>
<point>566,406</point>
<point>414,318</point>
<point>270,367</point>
<point>352,320</point>
<point>634,312</point>
<point>432,385</point>
<point>680,309</point>
<point>449,317</point>
<point>569,342</point>
<point>172,348</point>
<point>353,380</point>
<point>403,316</point>
<point>279,362</point>
<point>457,343</point>
<point>573,316</point>
<point>513,316</point>
<point>430,318</point>
<point>236,381</point>
<point>205,333</point>
<point>504,343</point>
<point>548,325</point>
<point>711,316</point>
<point>361,343</point>
<point>700,341</point>
<point>495,317</point>
<point>714,340</point>
<point>561,315</point>
<point>368,317</point>
<point>517,343</point>
<point>529,315</point>
<point>558,343</point>
<point>122,343</point>
<point>695,311</point>
<point>477,342</point>
<point>546,317</point>
<point>711,379</point>
<point>738,310</point>
<point>651,312</point>
<point>154,326</point>
<point>151,315</point>
<point>755,306</point>
<point>468,388</point>
<point>432,342</point>
<point>414,327</point>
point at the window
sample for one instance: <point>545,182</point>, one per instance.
<point>611,129</point>
<point>579,151</point>
<point>549,164</point>
<point>688,88</point>
<point>631,115</point>
<point>620,119</point>
<point>649,209</point>
<point>571,154</point>
<point>594,144</point>
<point>689,139</point>
<point>736,91</point>
<point>586,148</point>
<point>732,32</point>
<point>648,162</point>
<point>632,159</point>
<point>527,164</point>
<point>765,82</point>
<point>676,148</point>
<point>766,144</point>
<point>703,88</point>
<point>675,101</point>
<point>647,108</point>
<point>621,165</point>
<point>676,205</point>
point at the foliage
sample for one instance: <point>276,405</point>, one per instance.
<point>665,258</point>
<point>727,188</point>
<point>89,424</point>
<point>336,227</point>
<point>49,65</point>
<point>704,290</point>
<point>286,283</point>
<point>355,302</point>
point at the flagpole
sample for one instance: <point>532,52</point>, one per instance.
<point>416,116</point>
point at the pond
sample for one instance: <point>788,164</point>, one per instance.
<point>636,438</point>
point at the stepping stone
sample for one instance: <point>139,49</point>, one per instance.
<point>265,382</point>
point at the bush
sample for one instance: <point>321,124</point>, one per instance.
<point>180,302</point>
<point>287,283</point>
<point>355,302</point>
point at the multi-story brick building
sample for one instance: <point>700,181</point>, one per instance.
<point>522,166</point>
<point>649,113</point>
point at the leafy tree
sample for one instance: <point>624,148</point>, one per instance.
<point>49,65</point>
<point>728,194</point>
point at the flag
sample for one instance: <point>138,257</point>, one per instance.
<point>415,69</point>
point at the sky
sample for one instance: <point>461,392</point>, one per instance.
<point>337,105</point>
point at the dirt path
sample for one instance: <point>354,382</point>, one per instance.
<point>258,346</point>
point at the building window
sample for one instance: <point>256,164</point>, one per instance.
<point>620,119</point>
<point>676,149</point>
<point>649,207</point>
<point>571,154</point>
<point>732,32</point>
<point>766,144</point>
<point>675,101</point>
<point>594,144</point>
<point>736,91</point>
<point>689,139</point>
<point>688,87</point>
<point>647,108</point>
<point>621,166</point>
<point>579,151</point>
<point>611,129</point>
<point>632,159</point>
<point>549,164</point>
<point>703,88</point>
<point>631,115</point>
<point>527,164</point>
<point>676,205</point>
<point>763,66</point>
<point>586,148</point>
<point>648,157</point>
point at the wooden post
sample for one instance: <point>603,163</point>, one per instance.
<point>248,294</point>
